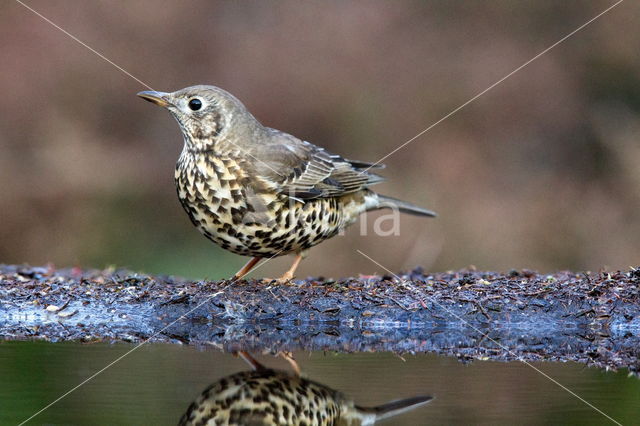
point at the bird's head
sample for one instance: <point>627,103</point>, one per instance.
<point>206,114</point>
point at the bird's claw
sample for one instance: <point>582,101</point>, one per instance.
<point>278,281</point>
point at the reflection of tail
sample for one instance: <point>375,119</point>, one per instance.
<point>393,408</point>
<point>403,206</point>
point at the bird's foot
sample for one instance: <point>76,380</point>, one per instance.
<point>278,281</point>
<point>289,275</point>
<point>284,279</point>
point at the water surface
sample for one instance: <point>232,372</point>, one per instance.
<point>156,383</point>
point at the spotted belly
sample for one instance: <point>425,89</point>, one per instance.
<point>253,220</point>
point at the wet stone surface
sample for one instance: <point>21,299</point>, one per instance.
<point>593,318</point>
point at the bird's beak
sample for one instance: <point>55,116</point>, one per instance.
<point>158,98</point>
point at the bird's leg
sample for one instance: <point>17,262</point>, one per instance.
<point>253,363</point>
<point>288,276</point>
<point>246,268</point>
<point>288,356</point>
<point>256,365</point>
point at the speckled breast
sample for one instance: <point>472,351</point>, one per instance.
<point>247,217</point>
<point>267,397</point>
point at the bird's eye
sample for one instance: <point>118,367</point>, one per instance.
<point>195,104</point>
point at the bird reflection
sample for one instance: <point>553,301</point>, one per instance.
<point>263,396</point>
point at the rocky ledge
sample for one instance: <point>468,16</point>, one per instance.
<point>592,318</point>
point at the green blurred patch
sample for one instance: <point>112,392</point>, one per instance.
<point>153,235</point>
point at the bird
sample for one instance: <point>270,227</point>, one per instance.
<point>264,396</point>
<point>258,191</point>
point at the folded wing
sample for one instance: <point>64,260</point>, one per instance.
<point>305,171</point>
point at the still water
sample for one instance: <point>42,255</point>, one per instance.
<point>155,385</point>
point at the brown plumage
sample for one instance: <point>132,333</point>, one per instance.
<point>261,192</point>
<point>273,397</point>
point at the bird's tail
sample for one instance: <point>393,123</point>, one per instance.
<point>387,202</point>
<point>393,408</point>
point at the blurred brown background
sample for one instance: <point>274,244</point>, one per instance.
<point>541,172</point>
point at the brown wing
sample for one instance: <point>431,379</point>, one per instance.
<point>302,170</point>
